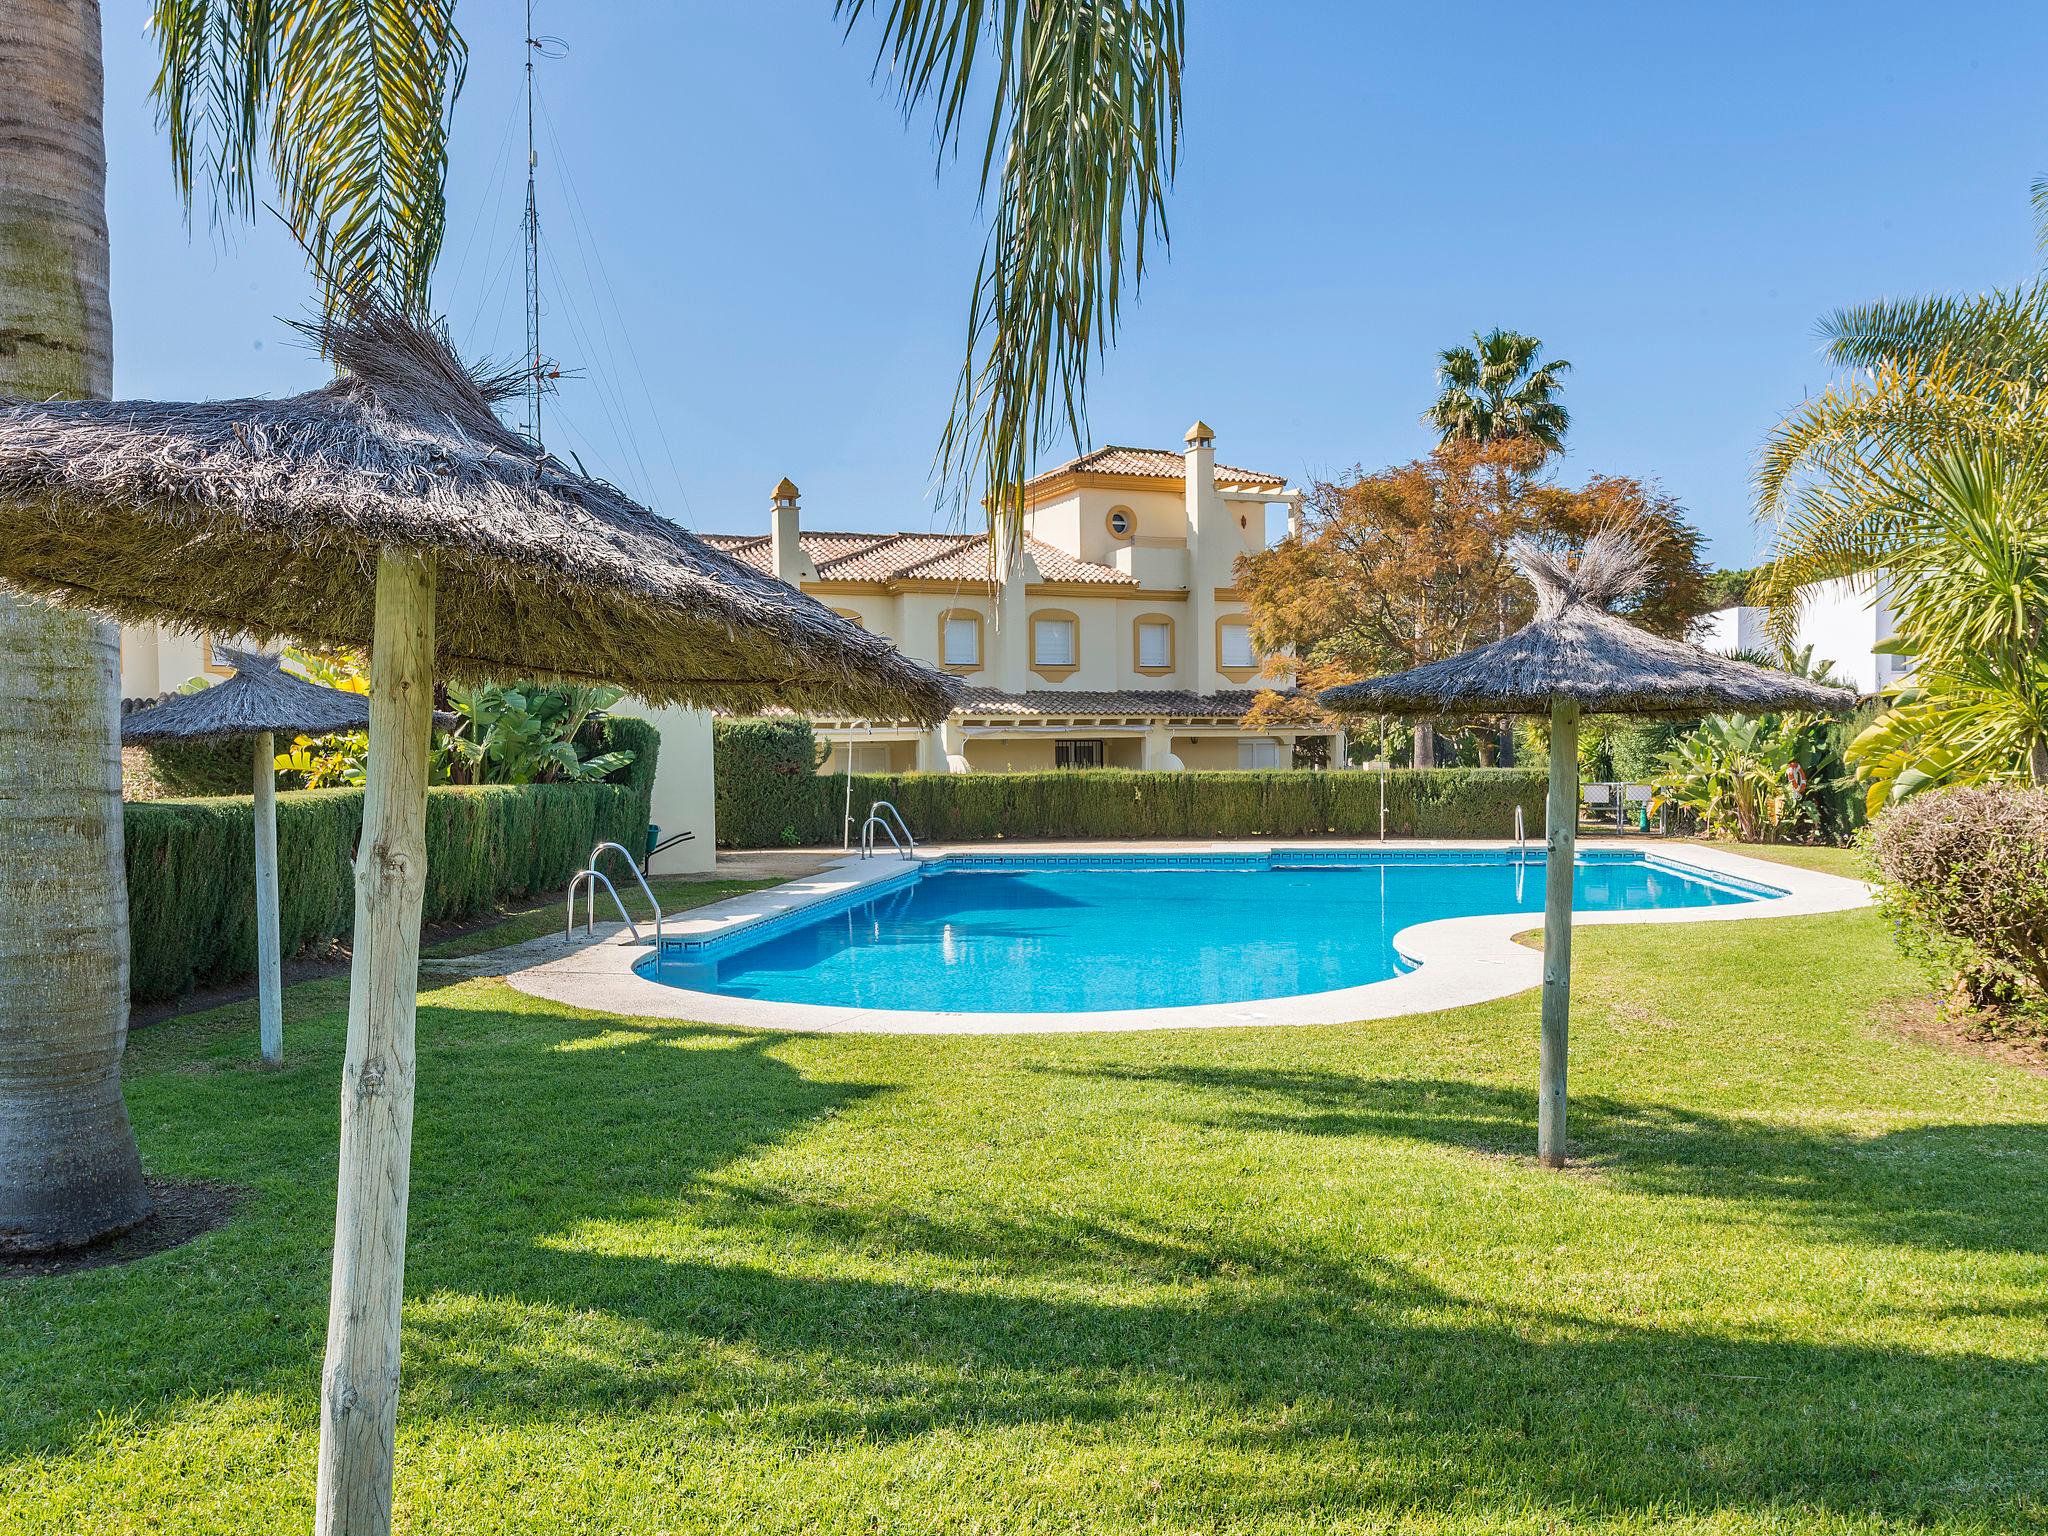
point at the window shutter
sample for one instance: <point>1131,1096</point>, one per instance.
<point>1155,647</point>
<point>1053,643</point>
<point>963,643</point>
<point>1237,646</point>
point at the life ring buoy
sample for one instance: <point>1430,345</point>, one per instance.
<point>1796,777</point>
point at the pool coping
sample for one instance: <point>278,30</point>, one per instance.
<point>1457,960</point>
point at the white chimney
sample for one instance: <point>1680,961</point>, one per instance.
<point>782,538</point>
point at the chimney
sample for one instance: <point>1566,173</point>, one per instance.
<point>1203,506</point>
<point>782,538</point>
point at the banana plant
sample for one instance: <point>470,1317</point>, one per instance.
<point>526,734</point>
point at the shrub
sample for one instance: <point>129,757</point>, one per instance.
<point>202,767</point>
<point>1963,873</point>
<point>1451,802</point>
<point>191,874</point>
<point>765,784</point>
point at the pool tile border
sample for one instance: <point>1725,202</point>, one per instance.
<point>1456,961</point>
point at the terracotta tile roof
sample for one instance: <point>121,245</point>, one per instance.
<point>912,557</point>
<point>1161,463</point>
<point>1179,702</point>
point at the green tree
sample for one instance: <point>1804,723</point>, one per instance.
<point>1498,388</point>
<point>69,1171</point>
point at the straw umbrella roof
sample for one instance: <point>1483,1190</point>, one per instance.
<point>260,697</point>
<point>265,517</point>
<point>1578,649</point>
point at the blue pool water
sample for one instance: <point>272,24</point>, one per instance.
<point>986,935</point>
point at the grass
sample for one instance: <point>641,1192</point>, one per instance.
<point>676,893</point>
<point>668,1278</point>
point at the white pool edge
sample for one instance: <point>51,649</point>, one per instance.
<point>1459,960</point>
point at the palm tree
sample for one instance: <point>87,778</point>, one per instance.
<point>1498,388</point>
<point>1924,379</point>
<point>1924,464</point>
<point>68,1165</point>
<point>351,98</point>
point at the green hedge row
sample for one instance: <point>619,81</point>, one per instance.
<point>1445,802</point>
<point>191,876</point>
<point>764,782</point>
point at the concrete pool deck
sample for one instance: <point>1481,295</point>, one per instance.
<point>1459,960</point>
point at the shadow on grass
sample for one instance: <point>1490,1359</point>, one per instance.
<point>544,1284</point>
<point>1982,1186</point>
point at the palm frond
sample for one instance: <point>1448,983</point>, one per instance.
<point>2002,335</point>
<point>352,100</point>
<point>1081,143</point>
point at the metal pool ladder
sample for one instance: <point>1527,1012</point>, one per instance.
<point>1521,851</point>
<point>591,877</point>
<point>906,845</point>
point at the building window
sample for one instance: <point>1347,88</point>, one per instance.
<point>960,640</point>
<point>1155,645</point>
<point>1121,522</point>
<point>1258,752</point>
<point>1055,641</point>
<point>1077,754</point>
<point>871,757</point>
<point>1235,646</point>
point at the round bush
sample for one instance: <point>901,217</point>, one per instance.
<point>1964,875</point>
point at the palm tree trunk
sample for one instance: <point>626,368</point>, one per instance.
<point>69,1171</point>
<point>2037,761</point>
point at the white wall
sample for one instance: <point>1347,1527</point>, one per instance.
<point>682,798</point>
<point>1842,620</point>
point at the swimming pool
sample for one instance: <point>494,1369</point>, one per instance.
<point>1092,933</point>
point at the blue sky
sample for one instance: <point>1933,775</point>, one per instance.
<point>758,274</point>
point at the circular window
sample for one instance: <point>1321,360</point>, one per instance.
<point>1121,522</point>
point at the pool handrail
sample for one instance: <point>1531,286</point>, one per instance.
<point>877,819</point>
<point>594,876</point>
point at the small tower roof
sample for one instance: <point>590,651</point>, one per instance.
<point>785,489</point>
<point>1200,432</point>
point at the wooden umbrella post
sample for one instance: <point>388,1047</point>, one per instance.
<point>269,964</point>
<point>359,1386</point>
<point>1562,818</point>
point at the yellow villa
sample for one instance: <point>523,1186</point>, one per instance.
<point>1116,640</point>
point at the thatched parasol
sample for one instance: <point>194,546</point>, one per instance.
<point>267,517</point>
<point>392,509</point>
<point>1578,656</point>
<point>260,702</point>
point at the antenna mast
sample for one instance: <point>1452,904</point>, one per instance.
<point>532,250</point>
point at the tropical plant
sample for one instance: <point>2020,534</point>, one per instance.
<point>526,734</point>
<point>69,1169</point>
<point>1967,562</point>
<point>1499,388</point>
<point>1761,778</point>
<point>339,761</point>
<point>347,104</point>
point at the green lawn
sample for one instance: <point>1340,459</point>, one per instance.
<point>676,893</point>
<point>666,1278</point>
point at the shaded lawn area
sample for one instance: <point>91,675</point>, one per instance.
<point>676,893</point>
<point>666,1278</point>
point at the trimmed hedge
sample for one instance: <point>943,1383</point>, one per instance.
<point>1442,802</point>
<point>191,875</point>
<point>764,777</point>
